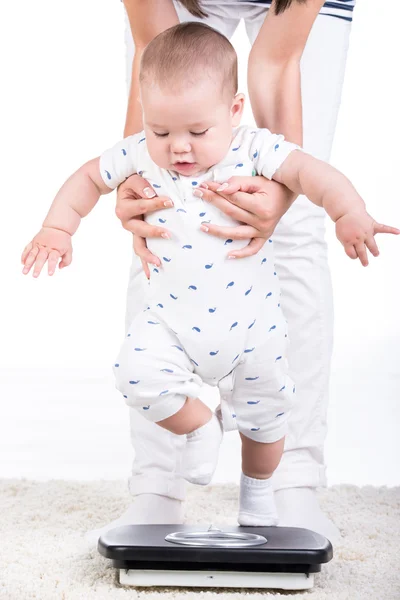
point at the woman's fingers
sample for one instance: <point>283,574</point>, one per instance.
<point>145,267</point>
<point>249,202</point>
<point>139,227</point>
<point>234,184</point>
<point>128,208</point>
<point>241,232</point>
<point>228,187</point>
<point>140,248</point>
<point>135,196</point>
<point>253,247</point>
<point>229,209</point>
<point>250,195</point>
<point>136,186</point>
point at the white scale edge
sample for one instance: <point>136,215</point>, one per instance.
<point>228,579</point>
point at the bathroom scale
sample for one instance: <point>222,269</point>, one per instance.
<point>284,558</point>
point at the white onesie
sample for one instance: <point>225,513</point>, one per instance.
<point>209,319</point>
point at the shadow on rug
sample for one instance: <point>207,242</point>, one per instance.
<point>43,554</point>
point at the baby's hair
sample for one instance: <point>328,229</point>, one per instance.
<point>186,53</point>
<point>195,8</point>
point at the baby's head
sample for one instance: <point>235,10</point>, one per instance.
<point>188,90</point>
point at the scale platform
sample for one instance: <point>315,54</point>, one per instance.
<point>227,556</point>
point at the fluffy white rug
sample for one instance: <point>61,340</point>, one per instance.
<point>43,554</point>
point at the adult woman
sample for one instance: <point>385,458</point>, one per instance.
<point>290,38</point>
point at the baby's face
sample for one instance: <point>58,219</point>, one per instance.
<point>189,131</point>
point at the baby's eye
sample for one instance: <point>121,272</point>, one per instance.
<point>160,134</point>
<point>201,133</point>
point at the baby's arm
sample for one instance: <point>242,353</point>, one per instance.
<point>327,187</point>
<point>77,197</point>
<point>75,200</point>
<point>323,184</point>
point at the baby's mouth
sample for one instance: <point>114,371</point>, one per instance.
<point>184,166</point>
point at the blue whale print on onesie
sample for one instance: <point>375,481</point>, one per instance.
<point>209,317</point>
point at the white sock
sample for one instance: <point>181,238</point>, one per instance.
<point>299,507</point>
<point>256,505</point>
<point>201,452</point>
<point>146,509</point>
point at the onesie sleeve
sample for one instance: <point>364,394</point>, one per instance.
<point>269,151</point>
<point>120,161</point>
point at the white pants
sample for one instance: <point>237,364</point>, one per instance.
<point>301,263</point>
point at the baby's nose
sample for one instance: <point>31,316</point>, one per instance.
<point>180,147</point>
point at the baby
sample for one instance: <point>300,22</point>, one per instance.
<point>208,319</point>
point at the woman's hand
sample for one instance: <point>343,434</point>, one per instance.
<point>136,197</point>
<point>256,201</point>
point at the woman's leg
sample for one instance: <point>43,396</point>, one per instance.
<point>157,488</point>
<point>301,262</point>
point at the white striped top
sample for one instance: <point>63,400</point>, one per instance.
<point>341,9</point>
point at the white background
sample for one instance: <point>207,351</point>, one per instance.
<point>63,101</point>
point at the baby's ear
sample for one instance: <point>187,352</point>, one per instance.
<point>237,109</point>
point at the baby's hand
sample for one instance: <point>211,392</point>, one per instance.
<point>48,245</point>
<point>356,232</point>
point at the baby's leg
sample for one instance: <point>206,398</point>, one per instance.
<point>203,438</point>
<point>262,399</point>
<point>193,415</point>
<point>156,377</point>
<point>259,461</point>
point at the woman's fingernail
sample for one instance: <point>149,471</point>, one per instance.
<point>168,203</point>
<point>204,185</point>
<point>222,187</point>
<point>198,193</point>
<point>166,236</point>
<point>204,228</point>
<point>148,192</point>
<point>231,256</point>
